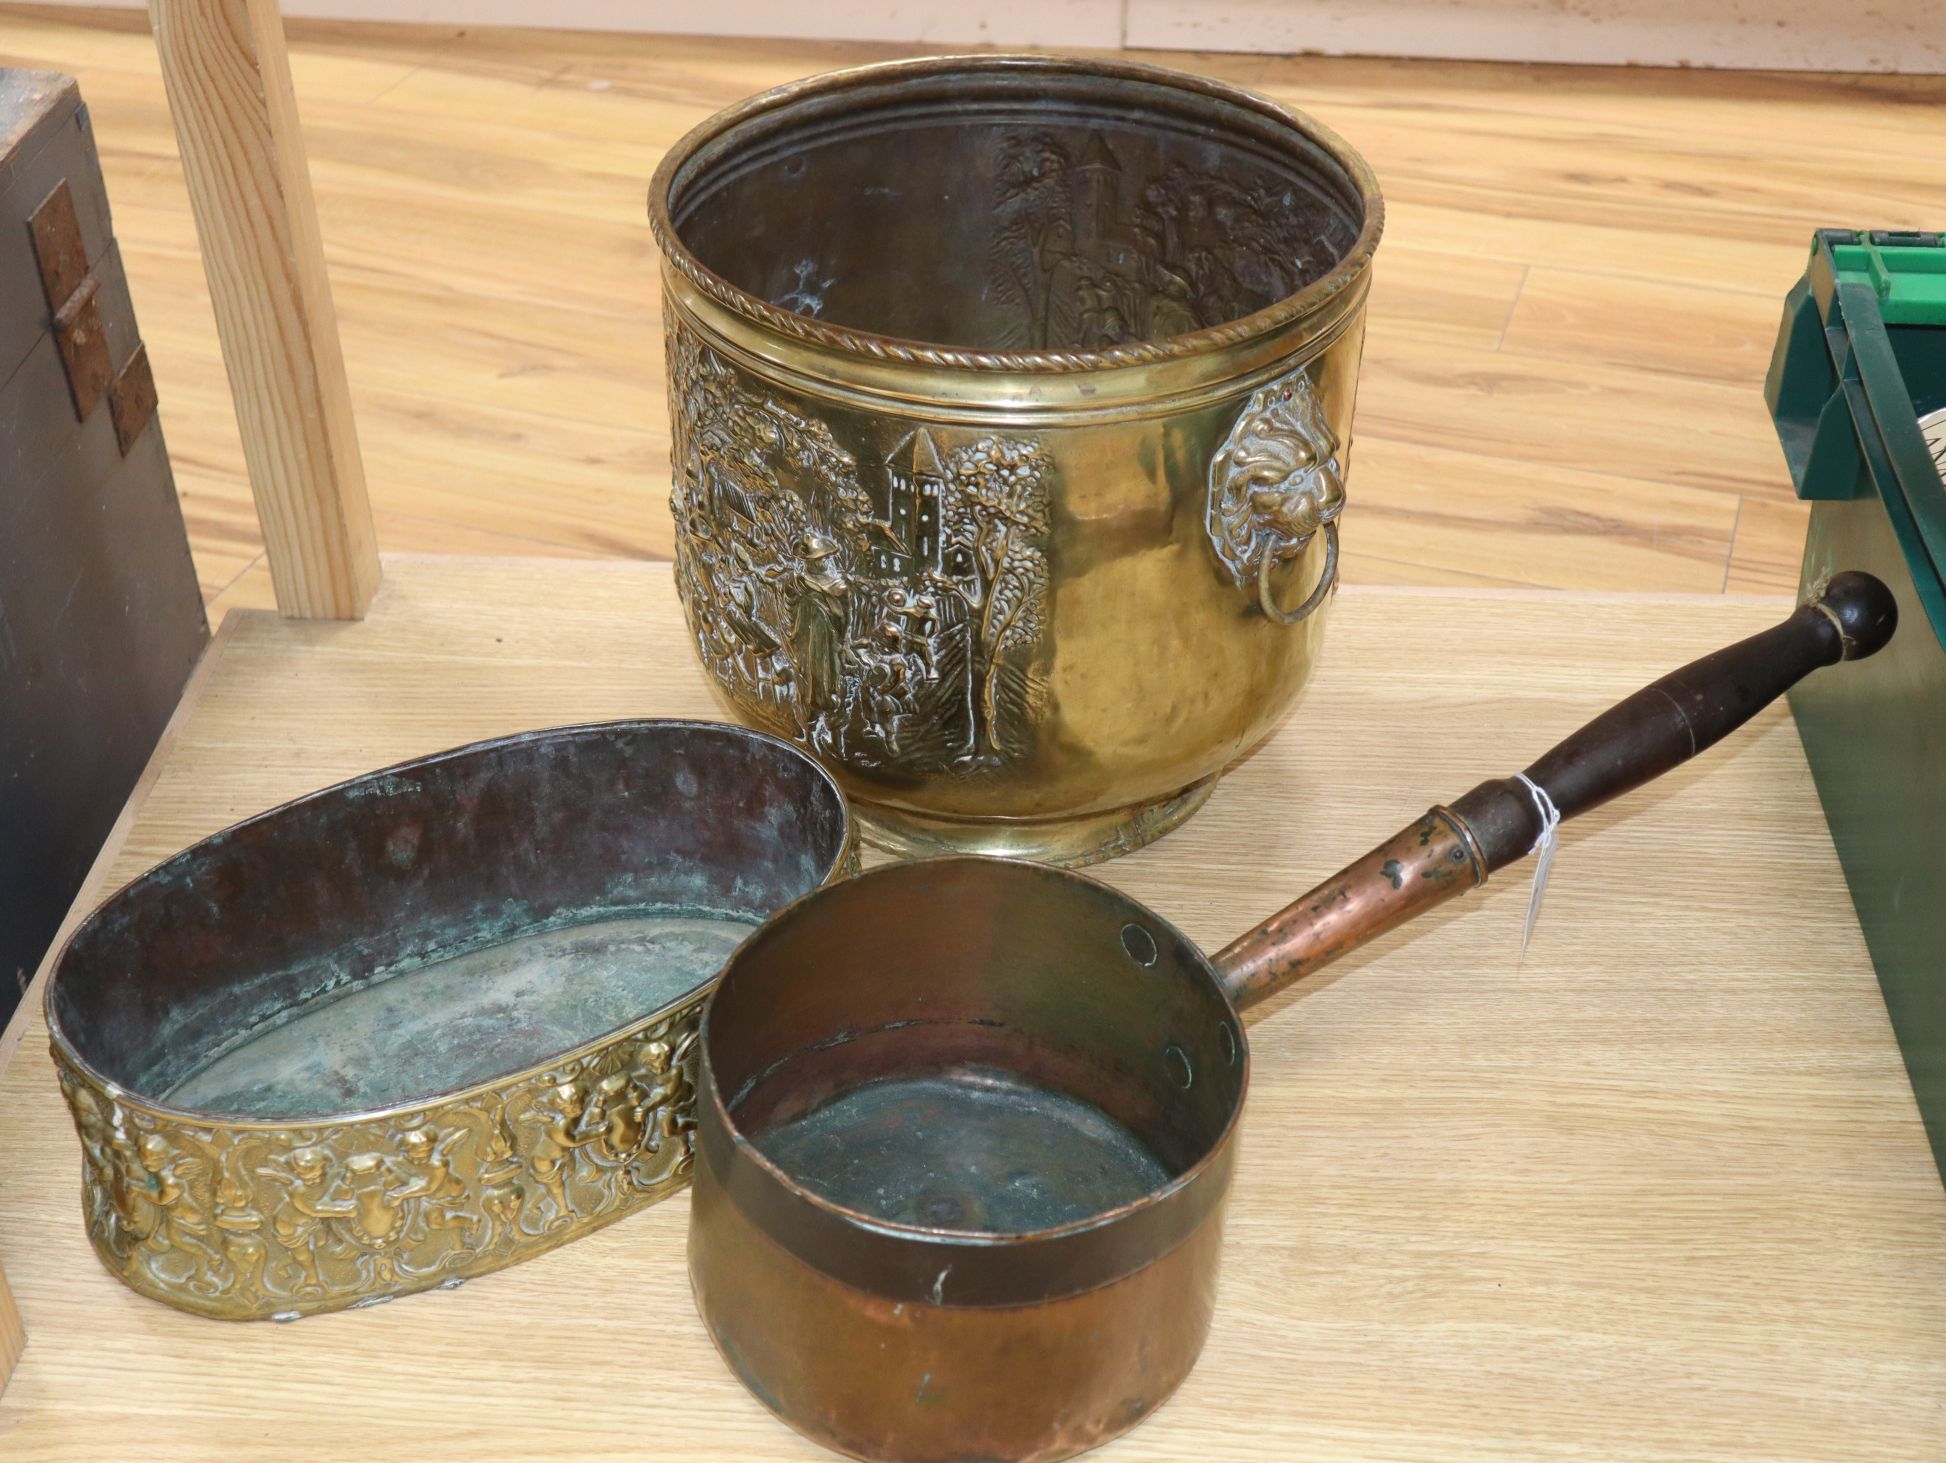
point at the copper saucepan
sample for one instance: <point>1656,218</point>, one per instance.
<point>966,1127</point>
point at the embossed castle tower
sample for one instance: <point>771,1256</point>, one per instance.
<point>1097,195</point>
<point>916,482</point>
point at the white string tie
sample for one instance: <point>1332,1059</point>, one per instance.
<point>1545,847</point>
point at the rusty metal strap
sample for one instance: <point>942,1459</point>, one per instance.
<point>84,348</point>
<point>73,291</point>
<point>58,246</point>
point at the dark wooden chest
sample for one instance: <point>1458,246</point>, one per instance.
<point>101,619</point>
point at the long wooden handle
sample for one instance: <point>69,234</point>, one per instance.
<point>1453,849</point>
<point>229,85</point>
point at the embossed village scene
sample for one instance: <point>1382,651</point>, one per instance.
<point>884,609</point>
<point>1090,253</point>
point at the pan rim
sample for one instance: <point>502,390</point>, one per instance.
<point>1214,1160</point>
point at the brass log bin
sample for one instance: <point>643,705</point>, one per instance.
<point>1012,404</point>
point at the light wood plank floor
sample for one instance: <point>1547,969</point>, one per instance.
<point>1575,302</point>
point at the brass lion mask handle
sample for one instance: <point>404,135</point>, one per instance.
<point>1274,485</point>
<point>1452,849</point>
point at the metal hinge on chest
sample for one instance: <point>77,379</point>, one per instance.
<point>74,295</point>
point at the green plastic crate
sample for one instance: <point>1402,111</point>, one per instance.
<point>1860,365</point>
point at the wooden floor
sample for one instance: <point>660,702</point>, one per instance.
<point>1575,302</point>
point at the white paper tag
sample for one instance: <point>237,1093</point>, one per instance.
<point>1545,847</point>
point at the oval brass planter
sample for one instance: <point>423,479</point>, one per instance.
<point>1011,403</point>
<point>362,1160</point>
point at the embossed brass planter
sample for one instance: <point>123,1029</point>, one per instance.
<point>428,1022</point>
<point>1011,401</point>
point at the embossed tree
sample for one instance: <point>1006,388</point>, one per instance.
<point>1031,225</point>
<point>1002,515</point>
<point>1014,612</point>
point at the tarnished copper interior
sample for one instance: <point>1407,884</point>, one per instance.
<point>966,1048</point>
<point>569,829</point>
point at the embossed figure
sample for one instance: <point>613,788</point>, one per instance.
<point>1171,310</point>
<point>1099,319</point>
<point>1003,502</point>
<point>97,1136</point>
<point>668,1098</point>
<point>178,1245</point>
<point>239,1233</point>
<point>820,627</point>
<point>889,678</point>
<point>555,1137</point>
<point>441,1197</point>
<point>625,1115</point>
<point>499,1175</point>
<point>312,1199</point>
<point>740,613</point>
<point>1069,276</point>
<point>1275,481</point>
<point>668,1093</point>
<point>131,1190</point>
<point>950,649</point>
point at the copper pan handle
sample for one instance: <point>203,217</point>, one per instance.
<point>1452,849</point>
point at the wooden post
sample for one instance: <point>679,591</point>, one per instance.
<point>13,1335</point>
<point>229,85</point>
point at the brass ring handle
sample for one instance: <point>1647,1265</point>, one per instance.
<point>1316,597</point>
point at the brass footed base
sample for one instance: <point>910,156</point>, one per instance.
<point>1070,842</point>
